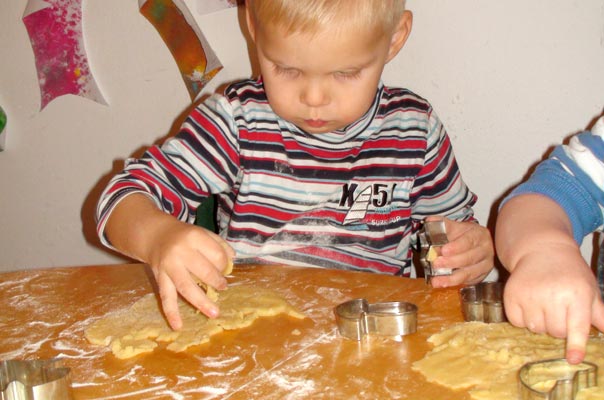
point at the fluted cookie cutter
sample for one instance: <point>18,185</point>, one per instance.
<point>555,379</point>
<point>357,318</point>
<point>432,236</point>
<point>483,302</point>
<point>34,380</point>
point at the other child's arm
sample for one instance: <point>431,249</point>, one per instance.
<point>551,289</point>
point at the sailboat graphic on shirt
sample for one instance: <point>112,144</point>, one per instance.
<point>358,210</point>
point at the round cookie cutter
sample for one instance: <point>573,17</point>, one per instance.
<point>357,318</point>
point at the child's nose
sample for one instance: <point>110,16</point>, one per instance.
<point>315,94</point>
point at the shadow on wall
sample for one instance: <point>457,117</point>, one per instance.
<point>88,211</point>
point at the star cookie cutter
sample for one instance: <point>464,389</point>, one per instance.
<point>555,379</point>
<point>432,236</point>
<point>357,318</point>
<point>483,302</point>
<point>34,380</point>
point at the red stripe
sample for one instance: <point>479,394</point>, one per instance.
<point>205,123</point>
<point>166,192</point>
<point>262,210</point>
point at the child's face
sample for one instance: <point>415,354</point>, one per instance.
<point>323,81</point>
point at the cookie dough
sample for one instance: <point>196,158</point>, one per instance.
<point>138,329</point>
<point>486,358</point>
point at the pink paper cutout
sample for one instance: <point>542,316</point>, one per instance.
<point>55,33</point>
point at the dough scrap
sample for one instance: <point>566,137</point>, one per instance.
<point>138,329</point>
<point>486,358</point>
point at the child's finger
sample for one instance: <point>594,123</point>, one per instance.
<point>169,300</point>
<point>204,271</point>
<point>215,253</point>
<point>513,312</point>
<point>578,326</point>
<point>190,291</point>
<point>458,277</point>
<point>228,250</point>
<point>534,320</point>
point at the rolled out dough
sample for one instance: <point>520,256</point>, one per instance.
<point>486,358</point>
<point>139,329</point>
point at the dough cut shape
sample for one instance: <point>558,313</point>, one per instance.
<point>485,358</point>
<point>138,329</point>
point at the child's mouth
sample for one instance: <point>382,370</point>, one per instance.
<point>315,123</point>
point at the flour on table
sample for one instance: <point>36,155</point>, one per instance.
<point>486,358</point>
<point>138,329</point>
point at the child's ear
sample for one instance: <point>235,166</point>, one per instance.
<point>249,19</point>
<point>400,35</point>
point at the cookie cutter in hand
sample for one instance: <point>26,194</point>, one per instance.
<point>34,380</point>
<point>483,302</point>
<point>357,318</point>
<point>432,236</point>
<point>555,379</point>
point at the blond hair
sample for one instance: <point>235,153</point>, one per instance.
<point>309,16</point>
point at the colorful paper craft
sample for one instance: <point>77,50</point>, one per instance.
<point>177,27</point>
<point>55,33</point>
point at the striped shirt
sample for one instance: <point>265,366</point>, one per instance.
<point>348,199</point>
<point>573,176</point>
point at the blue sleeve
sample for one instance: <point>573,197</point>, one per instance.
<point>564,181</point>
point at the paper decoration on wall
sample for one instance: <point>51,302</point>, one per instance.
<point>177,27</point>
<point>55,33</point>
<point>210,6</point>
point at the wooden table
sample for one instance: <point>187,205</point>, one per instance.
<point>44,314</point>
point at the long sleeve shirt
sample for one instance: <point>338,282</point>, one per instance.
<point>573,176</point>
<point>348,199</point>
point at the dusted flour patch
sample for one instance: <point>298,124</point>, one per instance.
<point>486,358</point>
<point>138,329</point>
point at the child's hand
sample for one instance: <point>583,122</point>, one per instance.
<point>180,253</point>
<point>553,291</point>
<point>469,251</point>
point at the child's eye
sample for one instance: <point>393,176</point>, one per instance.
<point>347,74</point>
<point>286,71</point>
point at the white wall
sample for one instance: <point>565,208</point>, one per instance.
<point>509,79</point>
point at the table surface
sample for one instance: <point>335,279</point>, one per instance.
<point>45,313</point>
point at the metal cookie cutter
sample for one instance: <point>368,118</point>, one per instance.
<point>356,318</point>
<point>555,379</point>
<point>34,380</point>
<point>483,302</point>
<point>432,236</point>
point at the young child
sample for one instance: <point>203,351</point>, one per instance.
<point>539,230</point>
<point>316,163</point>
